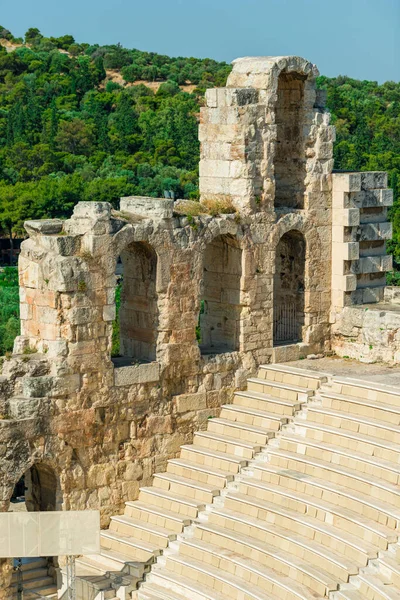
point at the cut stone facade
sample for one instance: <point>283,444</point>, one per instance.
<point>202,298</point>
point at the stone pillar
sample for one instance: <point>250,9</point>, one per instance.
<point>359,232</point>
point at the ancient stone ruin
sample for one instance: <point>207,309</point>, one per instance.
<point>207,305</point>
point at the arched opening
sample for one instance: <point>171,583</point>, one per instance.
<point>136,298</point>
<point>290,157</point>
<point>289,281</point>
<point>219,321</point>
<point>37,490</point>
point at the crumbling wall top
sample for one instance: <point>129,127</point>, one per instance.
<point>260,71</point>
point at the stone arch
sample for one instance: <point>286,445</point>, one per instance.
<point>220,304</point>
<point>289,288</point>
<point>138,309</point>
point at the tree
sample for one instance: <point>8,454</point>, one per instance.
<point>75,136</point>
<point>33,35</point>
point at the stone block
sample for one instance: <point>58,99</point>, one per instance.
<point>212,98</point>
<point>109,312</point>
<point>373,179</point>
<point>346,182</point>
<point>92,210</point>
<point>44,227</point>
<point>190,402</point>
<point>153,208</point>
<point>133,374</point>
<point>24,408</point>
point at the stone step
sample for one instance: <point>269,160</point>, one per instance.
<point>244,433</point>
<point>130,567</point>
<point>137,550</point>
<point>170,501</point>
<point>310,551</point>
<point>31,574</point>
<point>147,532</point>
<point>284,391</point>
<point>363,408</point>
<point>372,428</point>
<point>370,466</point>
<point>188,488</point>
<point>33,563</point>
<point>266,579</point>
<point>183,586</point>
<point>308,483</point>
<point>152,514</point>
<point>250,417</point>
<point>48,591</point>
<point>305,525</point>
<point>375,587</point>
<point>390,569</point>
<point>348,594</point>
<point>35,583</point>
<point>200,473</point>
<point>224,443</point>
<point>326,512</point>
<point>281,561</point>
<point>234,588</point>
<point>293,376</point>
<point>337,474</point>
<point>355,442</point>
<point>265,403</point>
<point>212,458</point>
<point>368,390</point>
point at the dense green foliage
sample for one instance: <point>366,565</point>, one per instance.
<point>9,308</point>
<point>68,132</point>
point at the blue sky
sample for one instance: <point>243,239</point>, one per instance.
<point>359,38</point>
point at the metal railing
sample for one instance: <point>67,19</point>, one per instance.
<point>286,326</point>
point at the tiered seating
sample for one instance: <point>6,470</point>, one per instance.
<point>315,515</point>
<point>191,482</point>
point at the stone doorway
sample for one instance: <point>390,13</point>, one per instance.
<point>289,283</point>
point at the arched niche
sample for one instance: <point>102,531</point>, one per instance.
<point>138,307</point>
<point>220,308</point>
<point>289,288</point>
<point>290,153</point>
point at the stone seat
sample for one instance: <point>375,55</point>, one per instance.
<point>187,507</point>
<point>270,556</point>
<point>155,592</point>
<point>197,472</point>
<point>147,513</point>
<point>250,416</point>
<point>294,542</point>
<point>307,526</point>
<point>284,391</point>
<point>184,587</point>
<point>224,443</point>
<point>134,549</point>
<point>250,571</point>
<point>265,402</point>
<point>326,512</point>
<point>356,442</point>
<point>189,488</point>
<point>292,375</point>
<point>220,460</point>
<point>376,587</point>
<point>371,508</point>
<point>147,532</point>
<point>337,474</point>
<point>361,463</point>
<point>369,390</point>
<point>245,433</point>
<point>364,408</point>
<point>232,586</point>
<point>366,426</point>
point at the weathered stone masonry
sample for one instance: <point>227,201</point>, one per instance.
<point>104,426</point>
